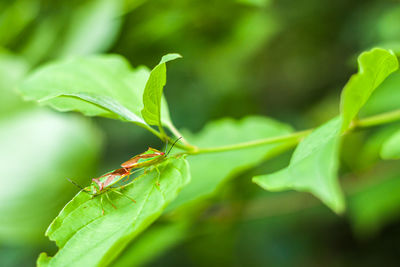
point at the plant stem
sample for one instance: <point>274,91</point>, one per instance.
<point>379,119</point>
<point>159,135</point>
<point>164,136</point>
<point>152,131</point>
<point>178,134</point>
<point>296,137</point>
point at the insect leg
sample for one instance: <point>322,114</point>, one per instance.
<point>101,203</point>
<point>108,197</point>
<point>166,146</point>
<point>158,176</point>
<point>123,186</point>
<point>122,194</point>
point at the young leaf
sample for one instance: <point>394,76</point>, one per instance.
<point>313,167</point>
<point>103,85</point>
<point>391,147</point>
<point>373,68</point>
<point>314,164</point>
<point>153,92</point>
<point>86,238</point>
<point>385,98</point>
<point>210,171</point>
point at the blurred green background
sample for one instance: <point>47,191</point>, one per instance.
<point>283,59</point>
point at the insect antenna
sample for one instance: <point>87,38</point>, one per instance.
<point>173,145</point>
<point>77,185</point>
<point>166,146</point>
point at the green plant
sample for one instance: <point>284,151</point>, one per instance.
<point>108,86</point>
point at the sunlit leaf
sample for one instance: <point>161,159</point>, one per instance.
<point>313,167</point>
<point>314,164</point>
<point>210,171</point>
<point>373,68</point>
<point>96,86</point>
<point>153,92</point>
<point>88,238</point>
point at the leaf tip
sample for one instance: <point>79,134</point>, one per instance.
<point>170,57</point>
<point>43,260</point>
<point>257,180</point>
<point>339,206</point>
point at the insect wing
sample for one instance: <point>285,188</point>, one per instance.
<point>147,158</point>
<point>129,178</point>
<point>110,178</point>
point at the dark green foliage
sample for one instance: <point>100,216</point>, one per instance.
<point>257,97</point>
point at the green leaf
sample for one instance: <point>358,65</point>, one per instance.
<point>313,167</point>
<point>391,147</point>
<point>86,238</point>
<point>373,68</point>
<point>50,147</point>
<point>210,171</point>
<point>103,85</point>
<point>314,164</point>
<point>97,77</point>
<point>385,98</point>
<point>138,253</point>
<point>153,92</point>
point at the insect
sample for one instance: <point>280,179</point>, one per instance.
<point>148,158</point>
<point>115,180</point>
<point>110,182</point>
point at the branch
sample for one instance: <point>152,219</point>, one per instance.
<point>384,118</point>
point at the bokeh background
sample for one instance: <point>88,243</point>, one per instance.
<point>284,59</point>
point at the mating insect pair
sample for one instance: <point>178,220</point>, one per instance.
<point>118,179</point>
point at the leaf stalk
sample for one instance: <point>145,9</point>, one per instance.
<point>296,137</point>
